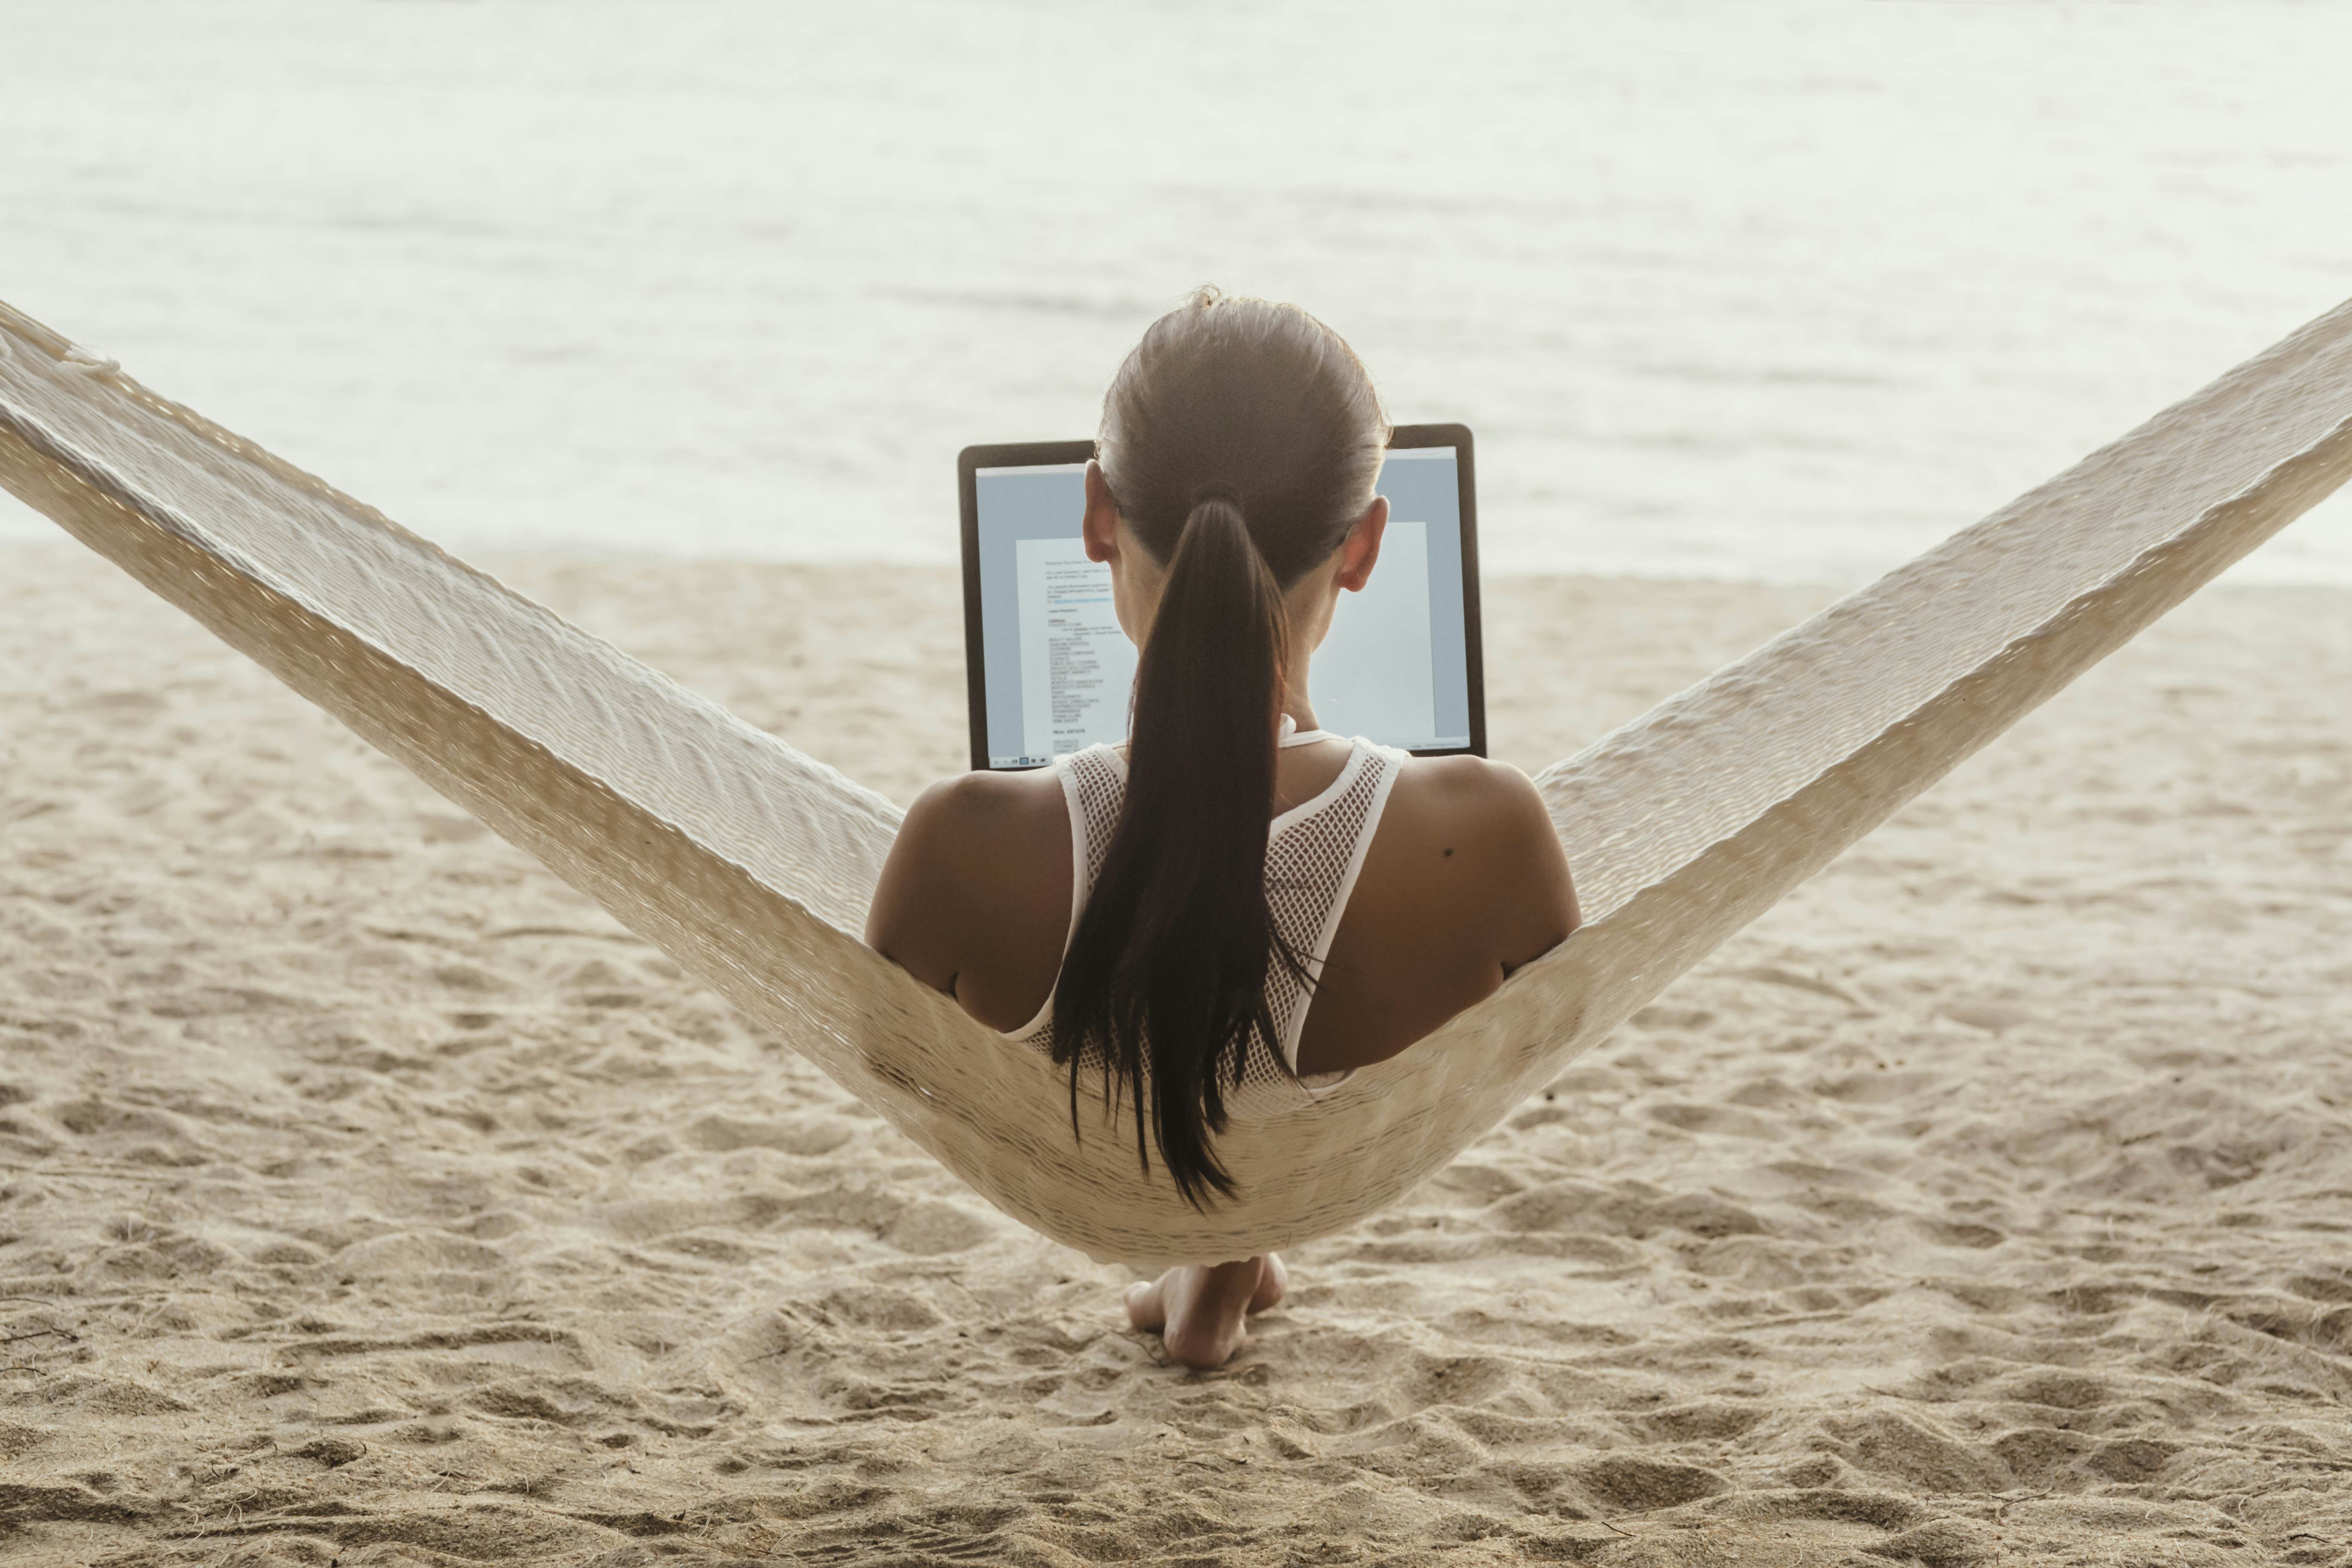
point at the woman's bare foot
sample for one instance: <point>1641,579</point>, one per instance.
<point>1200,1312</point>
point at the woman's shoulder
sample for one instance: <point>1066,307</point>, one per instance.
<point>972,813</point>
<point>982,859</point>
<point>1463,882</point>
<point>1470,794</point>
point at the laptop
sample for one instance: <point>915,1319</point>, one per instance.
<point>1050,672</point>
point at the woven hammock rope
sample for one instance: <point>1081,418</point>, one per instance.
<point>751,865</point>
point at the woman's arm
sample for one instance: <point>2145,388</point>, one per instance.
<point>918,915</point>
<point>1540,906</point>
<point>974,900</point>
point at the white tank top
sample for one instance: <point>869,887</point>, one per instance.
<point>1313,853</point>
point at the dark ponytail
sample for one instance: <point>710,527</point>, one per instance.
<point>1240,440</point>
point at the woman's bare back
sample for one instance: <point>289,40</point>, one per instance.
<point>1463,881</point>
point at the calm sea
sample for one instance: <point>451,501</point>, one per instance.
<point>1736,289</point>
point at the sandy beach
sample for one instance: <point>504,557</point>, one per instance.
<point>367,1196</point>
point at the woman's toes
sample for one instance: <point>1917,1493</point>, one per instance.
<point>1273,1283</point>
<point>1144,1309</point>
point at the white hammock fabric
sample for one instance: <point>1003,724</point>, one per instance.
<point>751,865</point>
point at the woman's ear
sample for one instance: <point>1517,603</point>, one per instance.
<point>1101,526</point>
<point>1361,551</point>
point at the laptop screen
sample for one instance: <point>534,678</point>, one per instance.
<point>1398,666</point>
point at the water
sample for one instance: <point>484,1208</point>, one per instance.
<point>1739,291</point>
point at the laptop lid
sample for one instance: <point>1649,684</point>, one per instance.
<point>1049,671</point>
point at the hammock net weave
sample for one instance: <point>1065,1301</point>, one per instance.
<point>751,864</point>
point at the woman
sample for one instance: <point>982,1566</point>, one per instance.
<point>1234,890</point>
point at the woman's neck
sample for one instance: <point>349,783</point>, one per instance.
<point>1295,701</point>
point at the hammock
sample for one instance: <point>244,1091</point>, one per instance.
<point>751,864</point>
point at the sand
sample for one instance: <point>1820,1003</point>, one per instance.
<point>367,1196</point>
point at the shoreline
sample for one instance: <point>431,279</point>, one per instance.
<point>2267,567</point>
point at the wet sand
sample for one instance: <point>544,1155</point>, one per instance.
<point>368,1196</point>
